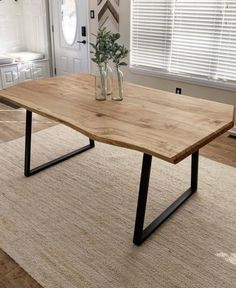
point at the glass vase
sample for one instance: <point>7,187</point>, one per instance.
<point>101,85</point>
<point>118,85</point>
<point>109,78</point>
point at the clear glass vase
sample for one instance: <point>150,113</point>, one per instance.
<point>118,85</point>
<point>109,78</point>
<point>101,83</point>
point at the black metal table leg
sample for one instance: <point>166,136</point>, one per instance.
<point>140,234</point>
<point>28,133</point>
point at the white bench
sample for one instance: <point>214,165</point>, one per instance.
<point>22,67</point>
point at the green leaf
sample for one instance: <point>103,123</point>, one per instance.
<point>93,45</point>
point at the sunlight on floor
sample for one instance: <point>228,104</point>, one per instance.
<point>230,258</point>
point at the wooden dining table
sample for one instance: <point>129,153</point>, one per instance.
<point>156,123</point>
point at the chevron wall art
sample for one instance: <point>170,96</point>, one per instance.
<point>108,14</point>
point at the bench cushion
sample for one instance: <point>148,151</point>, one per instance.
<point>5,60</point>
<point>26,56</point>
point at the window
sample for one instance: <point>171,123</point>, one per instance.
<point>186,38</point>
<point>69,20</point>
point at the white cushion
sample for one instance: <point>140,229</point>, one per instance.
<point>5,60</point>
<point>26,56</point>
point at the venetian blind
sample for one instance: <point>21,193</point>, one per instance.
<point>191,38</point>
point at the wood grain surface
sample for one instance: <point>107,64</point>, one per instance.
<point>162,124</point>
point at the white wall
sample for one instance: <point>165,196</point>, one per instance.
<point>11,26</point>
<point>35,25</point>
<point>93,28</point>
<point>23,26</point>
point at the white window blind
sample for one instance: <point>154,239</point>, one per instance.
<point>188,38</point>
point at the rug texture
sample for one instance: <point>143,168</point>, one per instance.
<point>72,225</point>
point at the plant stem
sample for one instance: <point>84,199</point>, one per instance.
<point>103,81</point>
<point>119,82</point>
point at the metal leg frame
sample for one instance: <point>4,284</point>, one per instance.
<point>140,234</point>
<point>28,133</point>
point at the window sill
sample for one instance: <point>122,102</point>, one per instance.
<point>185,79</point>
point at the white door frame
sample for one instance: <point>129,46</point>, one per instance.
<point>51,27</point>
<point>49,36</point>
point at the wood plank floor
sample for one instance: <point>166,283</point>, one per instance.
<point>12,125</point>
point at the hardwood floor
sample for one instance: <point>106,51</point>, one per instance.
<point>12,276</point>
<point>222,150</point>
<point>12,127</point>
<point>12,123</point>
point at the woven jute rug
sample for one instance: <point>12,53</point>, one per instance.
<point>72,225</point>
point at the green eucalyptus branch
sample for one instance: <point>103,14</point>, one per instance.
<point>106,48</point>
<point>120,52</point>
<point>102,48</point>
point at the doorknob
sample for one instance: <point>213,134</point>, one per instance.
<point>82,42</point>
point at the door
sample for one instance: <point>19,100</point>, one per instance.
<point>70,36</point>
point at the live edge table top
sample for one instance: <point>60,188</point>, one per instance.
<point>158,123</point>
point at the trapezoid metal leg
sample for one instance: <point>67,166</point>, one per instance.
<point>28,135</point>
<point>141,234</point>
